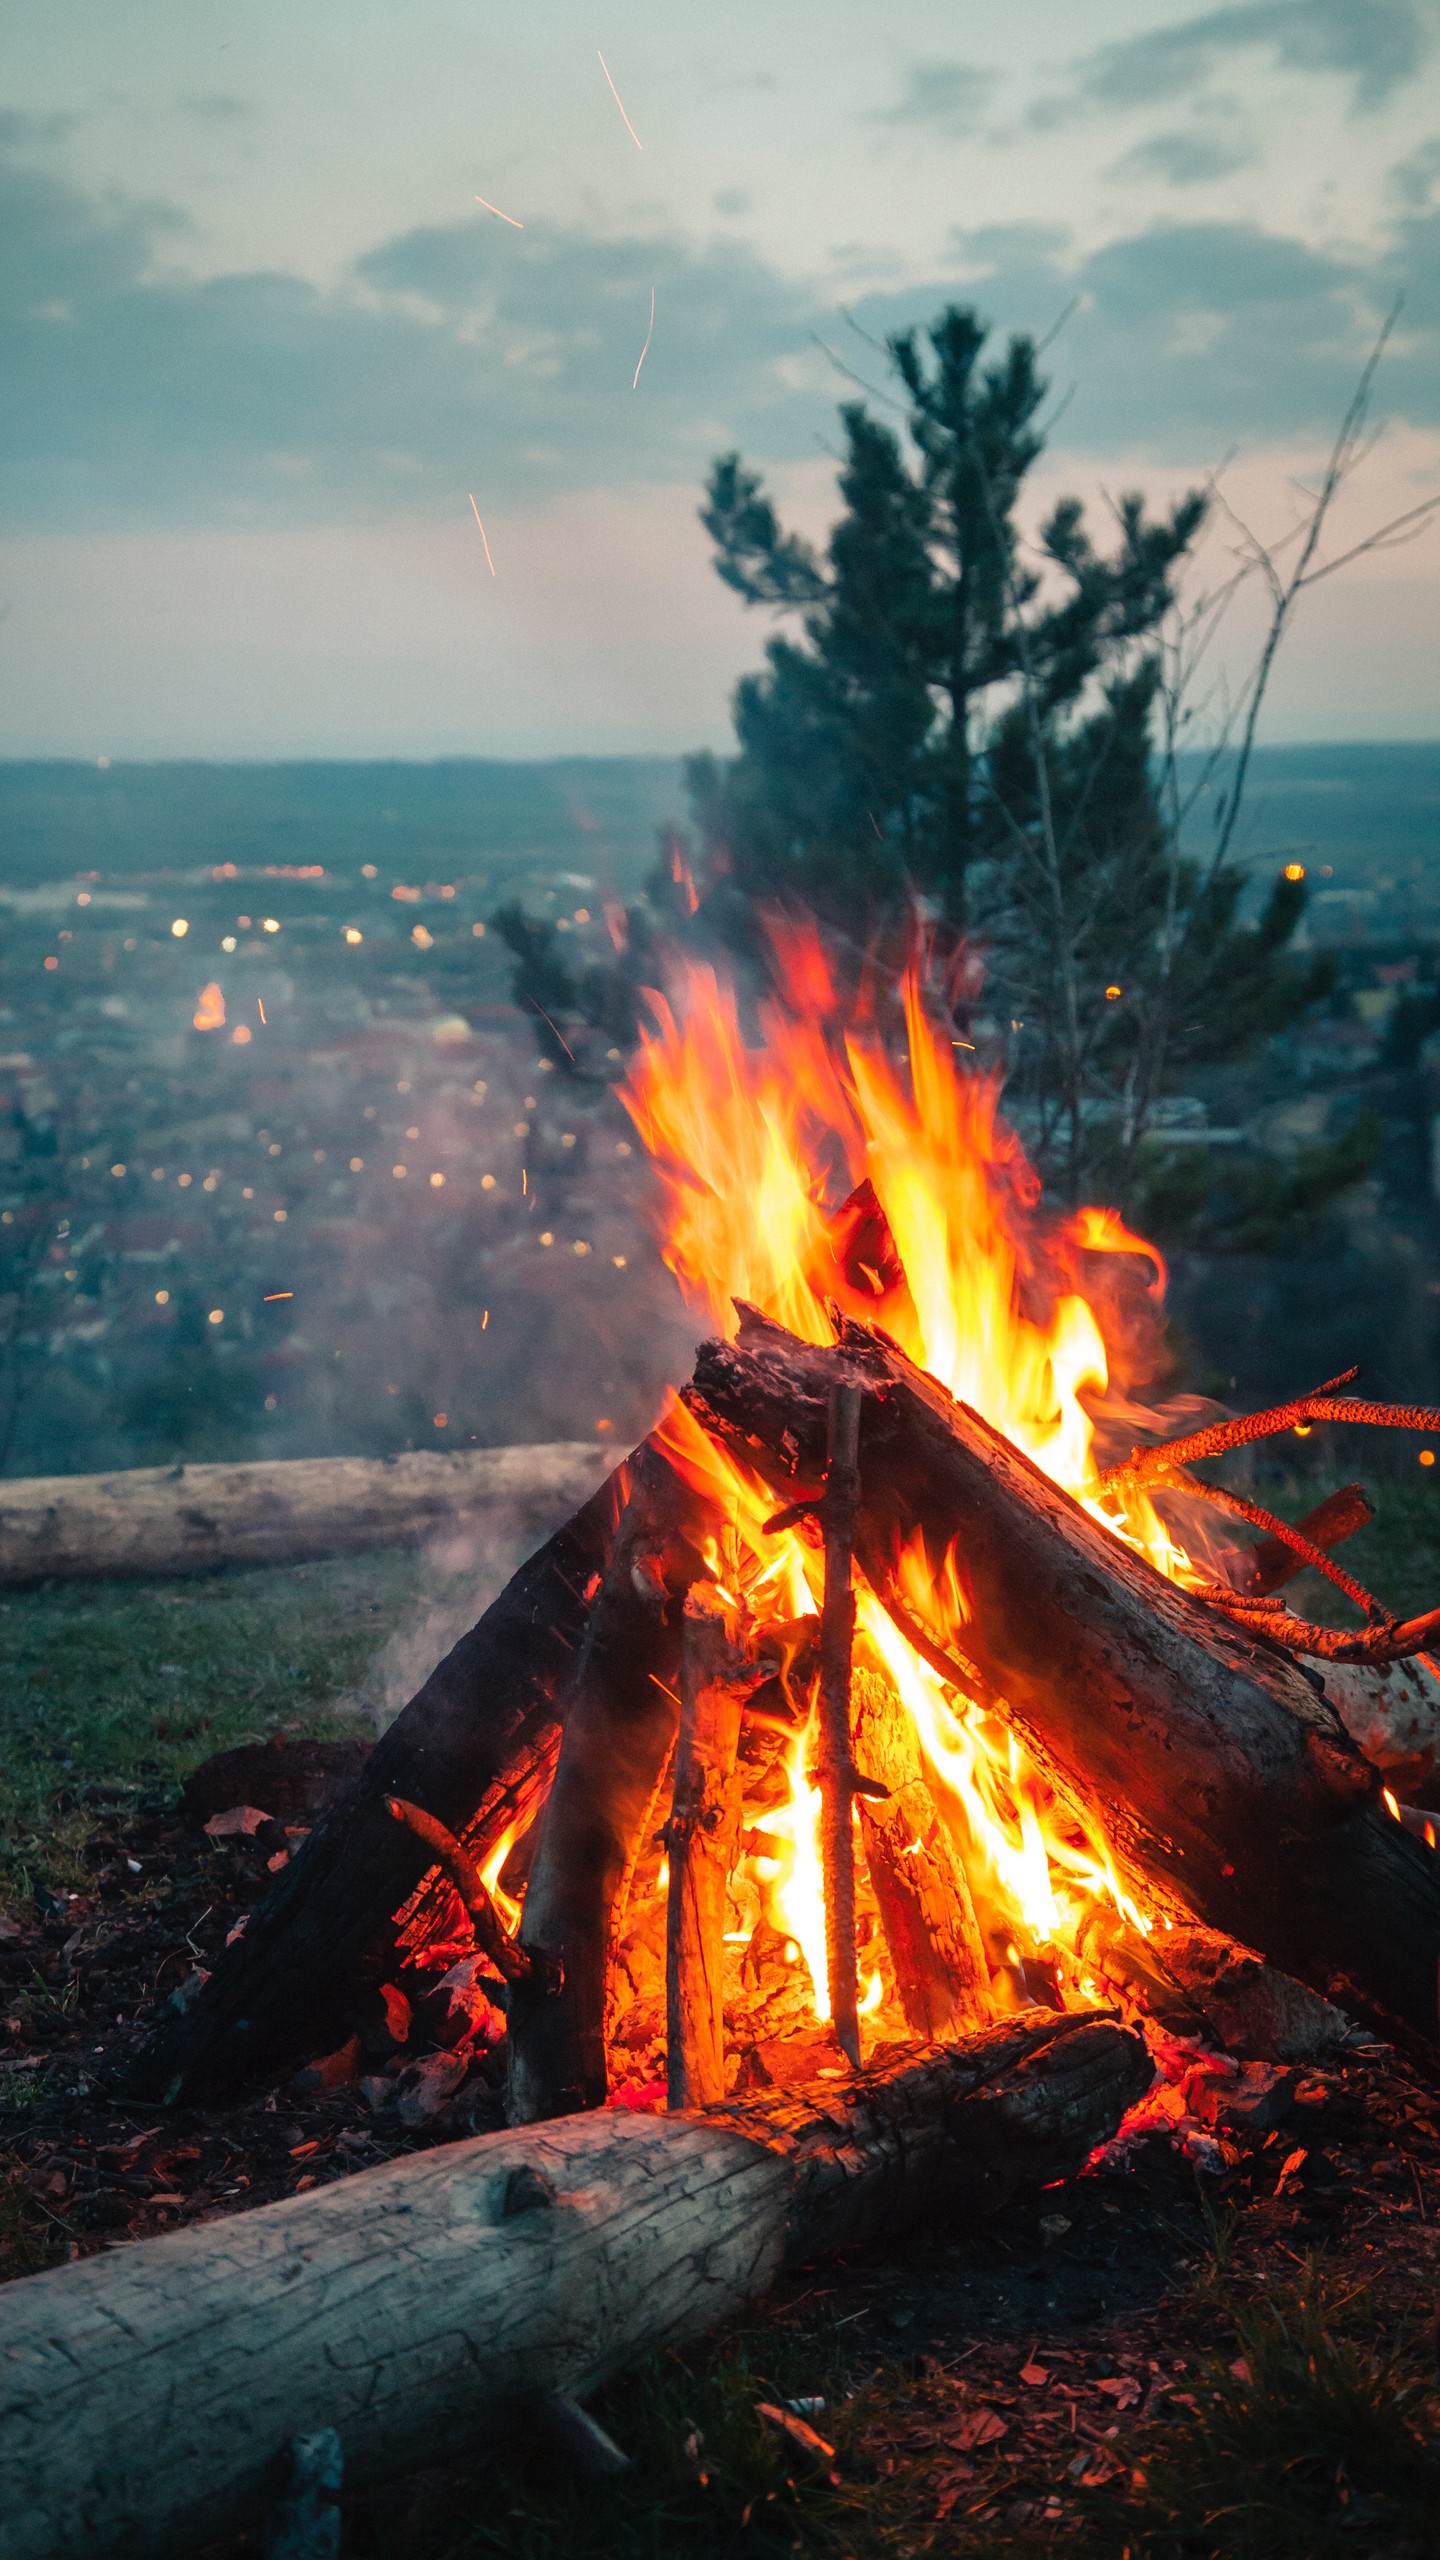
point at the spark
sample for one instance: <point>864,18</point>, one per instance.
<point>615,94</point>
<point>488,561</point>
<point>260,1009</point>
<point>501,217</point>
<point>484,1319</point>
<point>649,334</point>
<point>274,1294</point>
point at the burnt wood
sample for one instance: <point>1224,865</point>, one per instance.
<point>1215,1764</point>
<point>620,1715</point>
<point>926,1909</point>
<point>701,1839</point>
<point>327,1928</point>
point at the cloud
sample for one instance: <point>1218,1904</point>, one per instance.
<point>948,97</point>
<point>1187,158</point>
<point>217,107</point>
<point>470,356</point>
<point>1188,338</point>
<point>457,357</point>
<point>1376,45</point>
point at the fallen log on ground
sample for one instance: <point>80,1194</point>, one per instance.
<point>323,1935</point>
<point>186,1520</point>
<point>147,2396</point>
<point>1213,1763</point>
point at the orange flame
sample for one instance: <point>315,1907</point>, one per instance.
<point>820,1163</point>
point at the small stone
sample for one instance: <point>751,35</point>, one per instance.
<point>1054,2225</point>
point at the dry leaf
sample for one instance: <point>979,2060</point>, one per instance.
<point>1034,2374</point>
<point>980,2427</point>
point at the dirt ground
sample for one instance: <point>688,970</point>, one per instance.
<point>1145,2359</point>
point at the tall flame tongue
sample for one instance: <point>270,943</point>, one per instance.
<point>811,1166</point>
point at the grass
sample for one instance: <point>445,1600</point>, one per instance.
<point>1315,2435</point>
<point>113,1691</point>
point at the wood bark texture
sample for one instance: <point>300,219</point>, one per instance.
<point>185,1520</point>
<point>1214,1764</point>
<point>620,1715</point>
<point>326,1931</point>
<point>926,1908</point>
<point>701,1840</point>
<point>148,2396</point>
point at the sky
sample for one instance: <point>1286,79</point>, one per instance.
<point>262,352</point>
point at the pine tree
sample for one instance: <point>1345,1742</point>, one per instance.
<point>967,720</point>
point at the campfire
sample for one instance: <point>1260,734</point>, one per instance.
<point>907,1677</point>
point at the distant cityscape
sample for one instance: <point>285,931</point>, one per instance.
<point>282,1171</point>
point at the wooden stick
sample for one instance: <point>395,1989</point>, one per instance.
<point>701,1838</point>
<point>1150,1466</point>
<point>835,1760</point>
<point>921,1886</point>
<point>1273,1562</point>
<point>511,1962</point>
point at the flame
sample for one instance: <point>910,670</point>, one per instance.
<point>210,1010</point>
<point>822,1162</point>
<point>505,1903</point>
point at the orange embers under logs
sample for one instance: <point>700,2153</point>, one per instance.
<point>821,1162</point>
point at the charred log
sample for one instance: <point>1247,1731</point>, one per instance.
<point>701,1837</point>
<point>327,1929</point>
<point>620,1717</point>
<point>926,1908</point>
<point>1214,1764</point>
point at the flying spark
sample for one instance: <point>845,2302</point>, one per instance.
<point>488,561</point>
<point>274,1294</point>
<point>620,103</point>
<point>649,334</point>
<point>261,1011</point>
<point>501,217</point>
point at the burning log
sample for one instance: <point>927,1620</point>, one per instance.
<point>327,1928</point>
<point>835,1771</point>
<point>1212,1761</point>
<point>147,2392</point>
<point>701,1839</point>
<point>1194,1982</point>
<point>926,1908</point>
<point>619,1725</point>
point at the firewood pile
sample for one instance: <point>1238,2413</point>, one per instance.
<point>880,1797</point>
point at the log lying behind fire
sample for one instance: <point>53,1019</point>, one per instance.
<point>185,1520</point>
<point>1214,1764</point>
<point>325,1930</point>
<point>147,2395</point>
<point>926,1908</point>
<point>619,1724</point>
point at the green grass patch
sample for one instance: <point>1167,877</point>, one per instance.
<point>1315,2434</point>
<point>113,1691</point>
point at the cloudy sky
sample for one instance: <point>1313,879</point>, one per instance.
<point>261,343</point>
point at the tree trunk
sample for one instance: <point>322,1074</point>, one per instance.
<point>183,1520</point>
<point>327,1927</point>
<point>619,1724</point>
<point>1214,1764</point>
<point>922,1889</point>
<point>147,2395</point>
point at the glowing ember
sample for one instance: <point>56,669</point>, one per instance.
<point>210,1011</point>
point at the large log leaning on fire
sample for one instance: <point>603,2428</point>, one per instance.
<point>926,1909</point>
<point>1212,1760</point>
<point>147,2395</point>
<point>326,1929</point>
<point>190,1519</point>
<point>619,1725</point>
